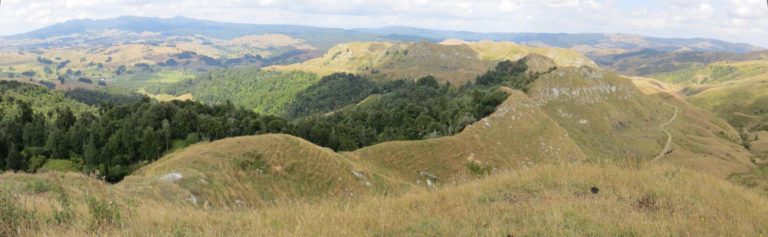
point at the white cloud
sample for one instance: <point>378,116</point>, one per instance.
<point>734,20</point>
<point>748,9</point>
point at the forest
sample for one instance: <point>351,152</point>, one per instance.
<point>112,135</point>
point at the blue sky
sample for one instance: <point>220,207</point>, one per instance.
<point>731,20</point>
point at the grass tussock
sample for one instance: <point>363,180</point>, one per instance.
<point>548,200</point>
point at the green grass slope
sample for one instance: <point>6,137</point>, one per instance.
<point>715,73</point>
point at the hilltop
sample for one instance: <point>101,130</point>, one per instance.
<point>454,61</point>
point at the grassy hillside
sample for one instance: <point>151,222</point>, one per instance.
<point>454,61</point>
<point>715,73</point>
<point>527,169</point>
<point>255,171</point>
<point>543,200</point>
<point>496,51</point>
<point>734,91</point>
<point>649,62</point>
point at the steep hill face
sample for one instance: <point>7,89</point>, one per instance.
<point>605,113</point>
<point>454,61</point>
<point>611,119</point>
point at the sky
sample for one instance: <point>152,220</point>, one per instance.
<point>731,20</point>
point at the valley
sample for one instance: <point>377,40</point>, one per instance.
<point>136,126</point>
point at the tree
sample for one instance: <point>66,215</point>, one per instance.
<point>150,144</point>
<point>57,144</point>
<point>429,81</point>
<point>65,118</point>
<point>91,153</point>
<point>34,132</point>
<point>14,160</point>
<point>166,132</point>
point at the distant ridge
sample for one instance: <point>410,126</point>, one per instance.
<point>590,43</point>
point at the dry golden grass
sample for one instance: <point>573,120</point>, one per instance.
<point>258,170</point>
<point>651,86</point>
<point>548,200</point>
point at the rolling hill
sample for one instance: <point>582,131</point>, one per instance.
<point>588,43</point>
<point>650,62</point>
<point>128,28</point>
<point>454,61</point>
<point>572,115</point>
<point>734,90</point>
<point>582,140</point>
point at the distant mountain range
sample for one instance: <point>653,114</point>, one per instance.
<point>127,27</point>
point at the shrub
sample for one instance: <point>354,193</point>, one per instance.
<point>252,161</point>
<point>479,169</point>
<point>35,163</point>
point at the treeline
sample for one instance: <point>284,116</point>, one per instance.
<point>117,138</point>
<point>347,112</point>
<point>407,111</point>
<point>98,97</point>
<point>331,93</point>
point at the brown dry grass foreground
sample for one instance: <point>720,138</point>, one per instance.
<point>547,200</point>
